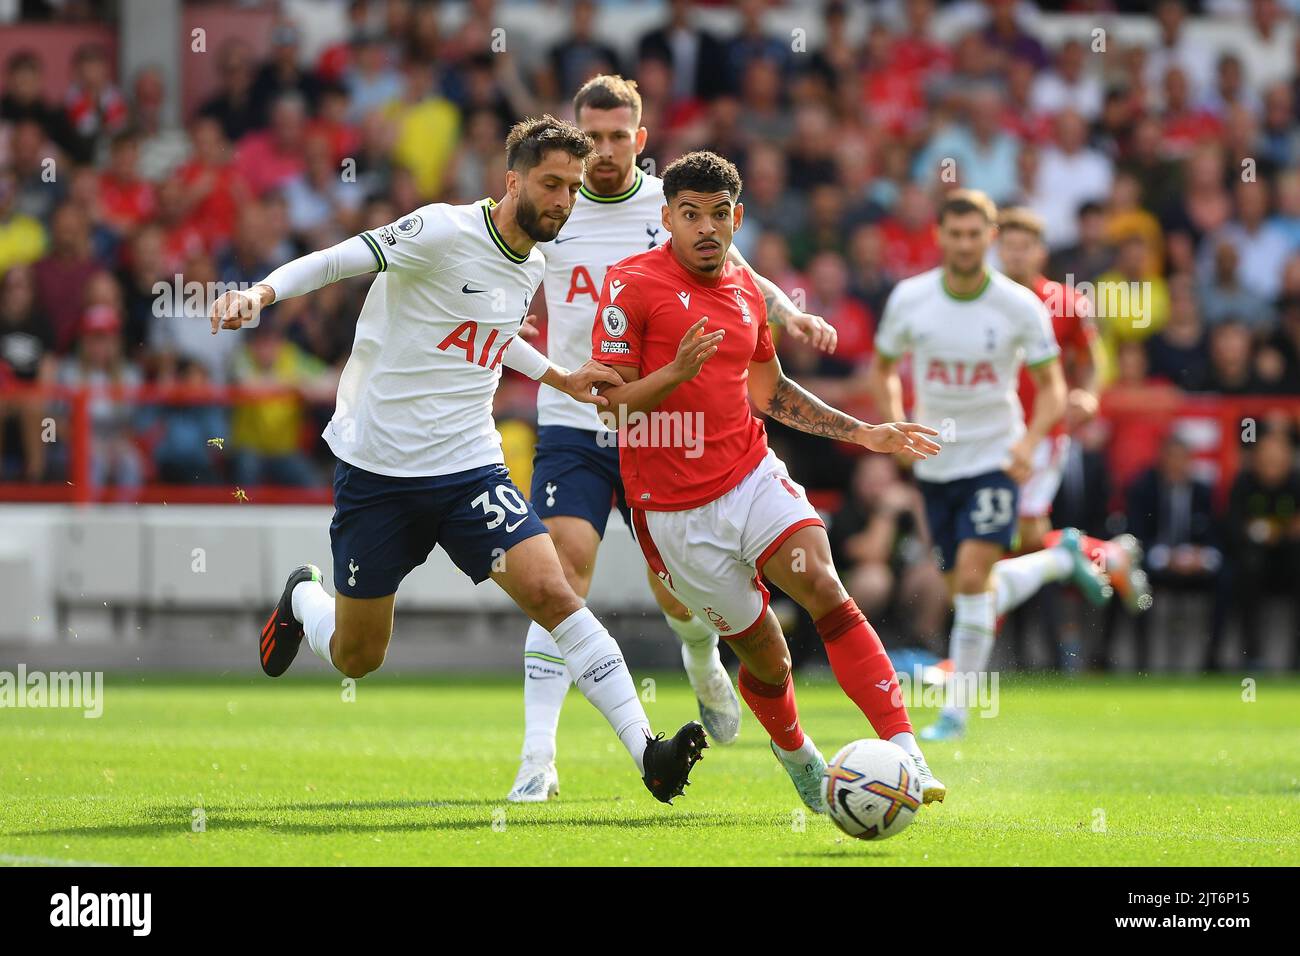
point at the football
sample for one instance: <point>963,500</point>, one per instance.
<point>871,789</point>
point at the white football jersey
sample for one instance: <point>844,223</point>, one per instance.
<point>601,231</point>
<point>415,398</point>
<point>966,358</point>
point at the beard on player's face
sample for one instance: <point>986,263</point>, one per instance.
<point>536,225</point>
<point>606,173</point>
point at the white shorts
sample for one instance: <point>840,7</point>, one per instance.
<point>710,557</point>
<point>1040,488</point>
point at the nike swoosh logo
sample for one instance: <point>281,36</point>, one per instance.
<point>532,676</point>
<point>565,239</point>
<point>466,288</point>
<point>511,527</point>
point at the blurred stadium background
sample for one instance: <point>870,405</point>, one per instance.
<point>156,483</point>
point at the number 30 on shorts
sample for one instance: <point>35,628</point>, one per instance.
<point>992,510</point>
<point>496,514</point>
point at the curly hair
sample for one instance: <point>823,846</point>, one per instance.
<point>531,138</point>
<point>701,171</point>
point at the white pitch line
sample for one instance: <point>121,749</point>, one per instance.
<point>8,859</point>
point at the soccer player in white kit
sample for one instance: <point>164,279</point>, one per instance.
<point>968,330</point>
<point>576,468</point>
<point>420,461</point>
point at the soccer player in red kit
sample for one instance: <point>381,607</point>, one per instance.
<point>1023,253</point>
<point>713,509</point>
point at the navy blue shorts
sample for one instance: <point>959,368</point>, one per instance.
<point>575,476</point>
<point>385,527</point>
<point>984,507</point>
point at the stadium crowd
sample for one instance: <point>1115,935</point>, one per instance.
<point>1174,165</point>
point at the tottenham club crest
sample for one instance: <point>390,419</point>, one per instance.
<point>614,320</point>
<point>409,227</point>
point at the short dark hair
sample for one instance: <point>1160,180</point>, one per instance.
<point>22,60</point>
<point>531,138</point>
<point>609,92</point>
<point>701,171</point>
<point>961,202</point>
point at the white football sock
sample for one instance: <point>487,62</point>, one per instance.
<point>314,608</point>
<point>907,742</point>
<point>1016,580</point>
<point>596,664</point>
<point>804,754</point>
<point>546,683</point>
<point>699,646</point>
<point>970,646</point>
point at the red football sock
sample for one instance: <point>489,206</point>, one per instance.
<point>773,705</point>
<point>863,669</point>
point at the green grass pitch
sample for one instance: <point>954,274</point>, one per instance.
<point>414,771</point>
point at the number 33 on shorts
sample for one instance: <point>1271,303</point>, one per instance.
<point>994,509</point>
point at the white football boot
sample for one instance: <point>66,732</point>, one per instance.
<point>932,788</point>
<point>719,705</point>
<point>537,782</point>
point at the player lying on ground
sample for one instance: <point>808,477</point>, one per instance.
<point>687,331</point>
<point>968,329</point>
<point>420,460</point>
<point>575,466</point>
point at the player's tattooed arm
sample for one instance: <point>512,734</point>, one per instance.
<point>784,314</point>
<point>793,405</point>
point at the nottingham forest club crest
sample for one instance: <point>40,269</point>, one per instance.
<point>744,308</point>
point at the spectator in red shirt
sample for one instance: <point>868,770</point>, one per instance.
<point>331,123</point>
<point>213,187</point>
<point>125,200</point>
<point>1184,126</point>
<point>271,158</point>
<point>62,275</point>
<point>911,246</point>
<point>182,237</point>
<point>854,325</point>
<point>95,107</point>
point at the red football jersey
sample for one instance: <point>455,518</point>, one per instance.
<point>704,438</point>
<point>1075,331</point>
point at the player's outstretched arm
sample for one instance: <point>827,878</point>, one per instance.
<point>238,307</point>
<point>579,384</point>
<point>793,405</point>
<point>644,393</point>
<point>783,313</point>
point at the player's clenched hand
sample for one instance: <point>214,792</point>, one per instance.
<point>1080,406</point>
<point>238,307</point>
<point>1020,464</point>
<point>529,330</point>
<point>812,329</point>
<point>905,438</point>
<point>579,383</point>
<point>696,348</point>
